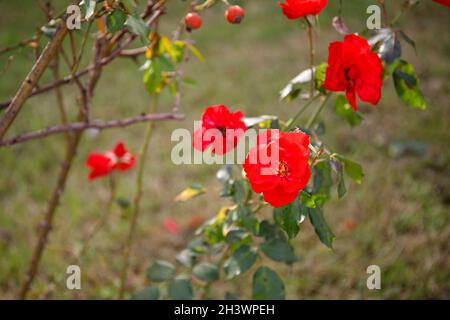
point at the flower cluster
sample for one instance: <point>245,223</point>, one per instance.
<point>279,180</point>
<point>278,166</point>
<point>102,164</point>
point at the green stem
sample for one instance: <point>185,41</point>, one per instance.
<point>292,121</point>
<point>311,53</point>
<point>318,111</point>
<point>205,5</point>
<point>104,219</point>
<point>137,200</point>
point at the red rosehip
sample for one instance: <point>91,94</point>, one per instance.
<point>235,14</point>
<point>193,21</point>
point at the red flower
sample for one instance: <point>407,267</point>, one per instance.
<point>295,9</point>
<point>278,166</point>
<point>444,2</point>
<point>219,128</point>
<point>122,159</point>
<point>171,226</point>
<point>353,68</point>
<point>102,164</point>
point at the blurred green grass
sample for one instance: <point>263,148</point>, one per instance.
<point>398,218</point>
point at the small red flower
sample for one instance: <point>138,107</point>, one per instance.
<point>171,226</point>
<point>220,129</point>
<point>353,68</point>
<point>295,9</point>
<point>122,159</point>
<point>444,2</point>
<point>102,164</point>
<point>281,180</point>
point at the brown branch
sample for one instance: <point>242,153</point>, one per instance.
<point>94,124</point>
<point>18,45</point>
<point>71,151</point>
<point>133,52</point>
<point>46,225</point>
<point>101,63</point>
<point>32,78</point>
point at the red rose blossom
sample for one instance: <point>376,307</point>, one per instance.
<point>220,129</point>
<point>444,2</point>
<point>280,181</point>
<point>102,164</point>
<point>295,9</point>
<point>171,226</point>
<point>353,68</point>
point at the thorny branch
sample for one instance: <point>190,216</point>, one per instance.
<point>94,124</point>
<point>102,56</point>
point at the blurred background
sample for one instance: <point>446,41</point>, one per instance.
<point>398,218</point>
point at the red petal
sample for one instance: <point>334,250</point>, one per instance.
<point>351,97</point>
<point>278,197</point>
<point>100,165</point>
<point>120,150</point>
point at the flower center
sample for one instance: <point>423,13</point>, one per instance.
<point>222,130</point>
<point>351,75</point>
<point>283,169</point>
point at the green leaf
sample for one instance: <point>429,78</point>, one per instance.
<point>266,230</point>
<point>352,169</point>
<point>150,293</point>
<point>153,77</point>
<point>288,218</point>
<point>321,227</point>
<point>89,8</point>
<point>323,182</point>
<point>345,111</point>
<point>241,260</point>
<point>295,86</point>
<point>160,271</point>
<point>186,258</point>
<point>407,86</point>
<point>267,285</point>
<point>339,170</point>
<point>138,26</point>
<point>115,21</point>
<point>237,235</point>
<point>319,76</point>
<point>239,191</point>
<point>196,52</point>
<point>180,289</point>
<point>307,200</point>
<point>193,191</point>
<point>279,249</point>
<point>206,271</point>
<point>342,190</point>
